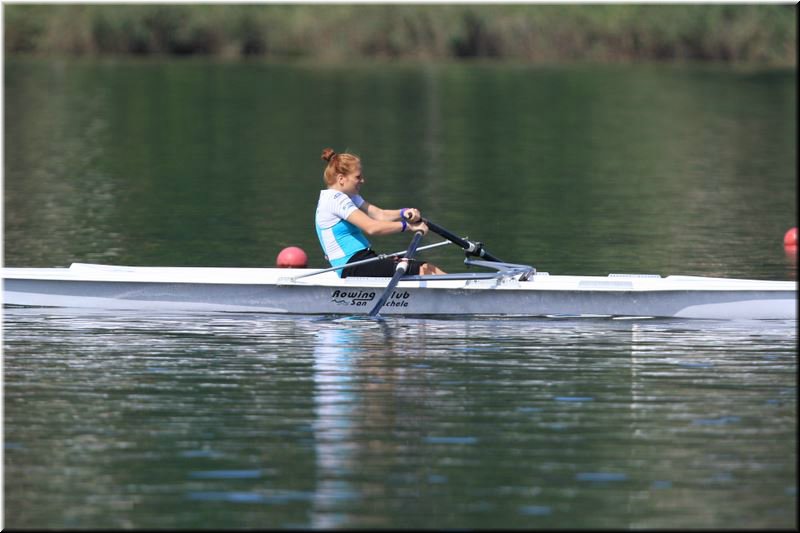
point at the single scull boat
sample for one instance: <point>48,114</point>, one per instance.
<point>507,289</point>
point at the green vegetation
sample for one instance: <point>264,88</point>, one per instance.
<point>737,33</point>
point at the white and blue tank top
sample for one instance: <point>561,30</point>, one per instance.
<point>340,239</point>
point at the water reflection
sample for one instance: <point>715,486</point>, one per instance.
<point>335,400</point>
<point>405,422</point>
<point>66,192</point>
<point>618,169</point>
<point>565,406</point>
<point>687,387</point>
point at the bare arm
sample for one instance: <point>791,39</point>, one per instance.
<point>375,212</point>
<point>372,226</point>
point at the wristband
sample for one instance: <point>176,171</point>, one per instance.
<point>403,221</point>
<point>403,214</point>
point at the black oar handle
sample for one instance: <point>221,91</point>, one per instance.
<point>468,246</point>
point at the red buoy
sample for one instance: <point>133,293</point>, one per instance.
<point>292,257</point>
<point>790,239</point>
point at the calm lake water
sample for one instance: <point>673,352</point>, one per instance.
<point>221,420</point>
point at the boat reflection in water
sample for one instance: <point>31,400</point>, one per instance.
<point>335,400</point>
<point>400,422</point>
<point>544,414</point>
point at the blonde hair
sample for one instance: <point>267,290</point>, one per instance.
<point>338,164</point>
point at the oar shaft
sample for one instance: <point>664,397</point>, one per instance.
<point>436,228</point>
<point>468,246</point>
<point>400,270</point>
<point>370,260</point>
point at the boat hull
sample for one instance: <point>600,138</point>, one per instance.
<point>275,291</point>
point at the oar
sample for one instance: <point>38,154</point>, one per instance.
<point>398,273</point>
<point>472,248</point>
<point>365,261</point>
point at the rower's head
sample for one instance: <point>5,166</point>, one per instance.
<point>343,171</point>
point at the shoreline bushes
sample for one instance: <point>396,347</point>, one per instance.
<point>536,33</point>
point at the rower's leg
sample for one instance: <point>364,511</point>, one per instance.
<point>428,269</point>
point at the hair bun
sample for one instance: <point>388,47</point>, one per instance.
<point>328,154</point>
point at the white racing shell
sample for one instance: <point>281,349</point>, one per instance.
<point>510,291</point>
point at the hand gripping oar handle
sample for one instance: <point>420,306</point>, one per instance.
<point>471,248</point>
<point>398,273</point>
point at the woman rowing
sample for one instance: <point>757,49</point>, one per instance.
<point>344,217</point>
